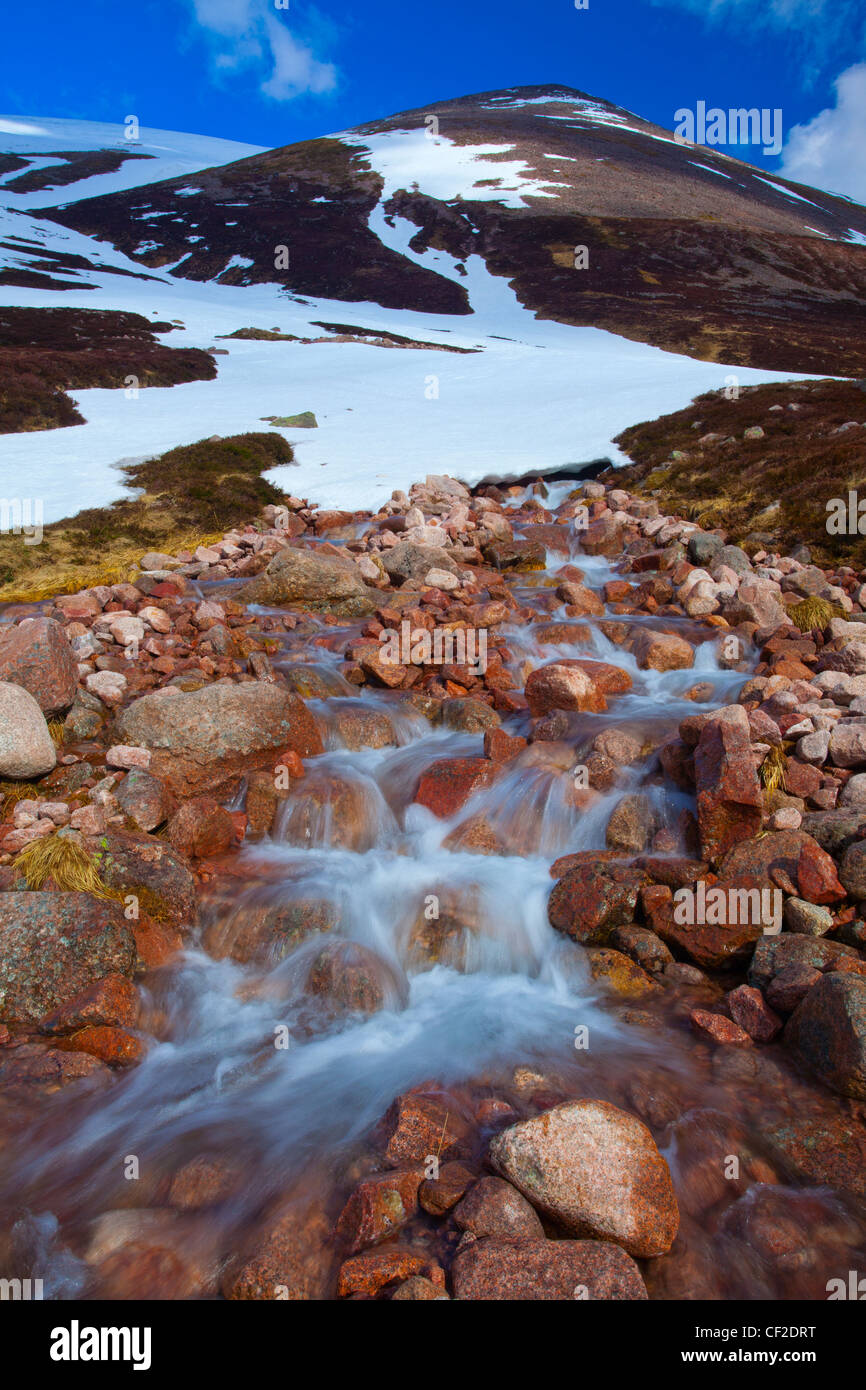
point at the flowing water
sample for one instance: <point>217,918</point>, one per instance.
<point>247,1068</point>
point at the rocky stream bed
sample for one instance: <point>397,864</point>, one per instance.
<point>336,963</point>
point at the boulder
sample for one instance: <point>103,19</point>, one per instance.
<point>492,1207</point>
<point>145,799</point>
<point>445,786</point>
<point>730,803</point>
<point>36,655</point>
<point>848,744</point>
<point>562,686</point>
<point>661,651</point>
<point>26,747</point>
<point>326,583</point>
<point>201,827</point>
<point>631,824</point>
<point>533,1270</point>
<point>828,1030</point>
<point>408,560</point>
<point>773,954</point>
<point>290,1259</point>
<point>590,900</point>
<point>203,739</point>
<point>53,946</point>
<point>151,870</point>
<point>378,1207</point>
<point>595,1170</point>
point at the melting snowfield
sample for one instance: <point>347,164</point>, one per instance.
<point>533,396</point>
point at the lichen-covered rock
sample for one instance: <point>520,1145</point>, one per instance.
<point>533,1270</point>
<point>26,747</point>
<point>319,582</point>
<point>202,739</point>
<point>36,655</point>
<point>596,1171</point>
<point>828,1030</point>
<point>53,946</point>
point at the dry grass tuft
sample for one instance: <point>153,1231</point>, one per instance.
<point>773,769</point>
<point>62,861</point>
<point>813,613</point>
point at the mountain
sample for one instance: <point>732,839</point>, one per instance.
<point>688,249</point>
<point>242,288</point>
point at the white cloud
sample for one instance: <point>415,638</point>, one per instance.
<point>829,151</point>
<point>295,68</point>
<point>247,33</point>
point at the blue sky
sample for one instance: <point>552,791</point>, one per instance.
<point>254,71</point>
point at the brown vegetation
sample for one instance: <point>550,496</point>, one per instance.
<point>772,491</point>
<point>46,352</point>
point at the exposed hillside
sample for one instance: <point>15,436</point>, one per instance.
<point>46,352</point>
<point>688,249</point>
<point>766,492</point>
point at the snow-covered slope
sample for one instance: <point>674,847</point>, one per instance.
<point>454,227</point>
<point>53,148</point>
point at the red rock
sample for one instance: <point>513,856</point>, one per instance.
<point>291,761</point>
<point>46,1070</point>
<point>579,598</point>
<point>140,1270</point>
<point>659,651</point>
<point>378,1207</point>
<point>112,1001</point>
<point>595,1170</point>
<point>36,655</point>
<point>532,1270</point>
<point>438,1195</point>
<point>828,1030</point>
<point>718,1028</point>
<point>351,978</point>
<point>447,785</point>
<point>713,945</point>
<point>591,899</point>
<point>750,1010</point>
<point>801,779</point>
<point>291,1259</point>
<point>617,590</point>
<point>493,1207</point>
<point>501,747</point>
<point>785,990</point>
<point>417,1289</point>
<point>201,828</point>
<point>492,1111</point>
<point>559,686</point>
<point>817,878</point>
<point>730,802</point>
<point>373,1271</point>
<point>609,679</point>
<point>117,1047</point>
<point>419,1126</point>
<point>155,942</point>
<point>203,1182</point>
<point>74,607</point>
